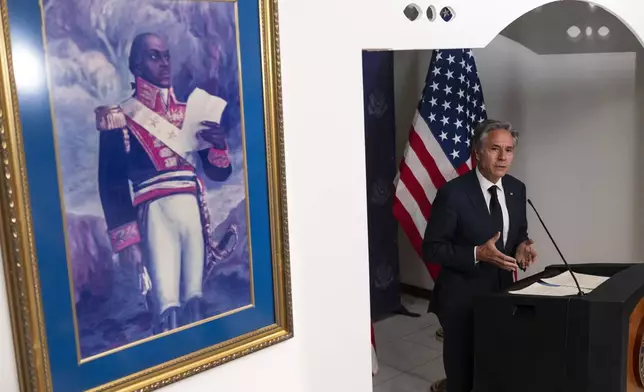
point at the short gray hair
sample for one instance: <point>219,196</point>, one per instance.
<point>485,127</point>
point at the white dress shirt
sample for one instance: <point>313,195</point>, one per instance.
<point>485,186</point>
<point>164,96</point>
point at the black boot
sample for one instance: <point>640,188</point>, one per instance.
<point>168,320</point>
<point>192,311</point>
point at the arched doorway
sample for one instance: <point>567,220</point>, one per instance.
<point>569,76</point>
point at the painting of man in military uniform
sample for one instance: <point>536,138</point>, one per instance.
<point>165,218</point>
<point>150,144</point>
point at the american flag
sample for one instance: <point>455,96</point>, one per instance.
<point>438,149</point>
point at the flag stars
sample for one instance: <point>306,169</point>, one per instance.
<point>453,102</point>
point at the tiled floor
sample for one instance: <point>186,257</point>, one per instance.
<point>410,358</point>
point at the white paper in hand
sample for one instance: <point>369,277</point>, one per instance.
<point>200,107</point>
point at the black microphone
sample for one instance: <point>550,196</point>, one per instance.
<point>581,293</point>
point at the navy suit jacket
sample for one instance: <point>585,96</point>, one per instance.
<point>459,221</point>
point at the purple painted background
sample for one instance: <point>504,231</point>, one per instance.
<point>88,43</point>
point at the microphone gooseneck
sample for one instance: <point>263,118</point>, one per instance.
<point>581,293</point>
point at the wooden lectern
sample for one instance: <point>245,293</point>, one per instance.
<point>592,343</point>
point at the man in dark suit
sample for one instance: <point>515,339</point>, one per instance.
<point>478,233</point>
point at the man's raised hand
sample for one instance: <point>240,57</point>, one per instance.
<point>490,254</point>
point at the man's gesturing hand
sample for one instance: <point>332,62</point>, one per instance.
<point>526,254</point>
<point>490,254</point>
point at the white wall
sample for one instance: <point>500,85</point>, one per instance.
<point>578,152</point>
<point>8,371</point>
<point>331,350</point>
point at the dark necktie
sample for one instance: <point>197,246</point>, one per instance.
<point>497,215</point>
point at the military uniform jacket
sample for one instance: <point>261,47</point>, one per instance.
<point>129,152</point>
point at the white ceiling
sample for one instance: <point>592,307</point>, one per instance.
<point>545,30</point>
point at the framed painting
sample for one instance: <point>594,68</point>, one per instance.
<point>143,201</point>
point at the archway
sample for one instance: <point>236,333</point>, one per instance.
<point>568,75</point>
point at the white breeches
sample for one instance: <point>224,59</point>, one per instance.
<point>175,249</point>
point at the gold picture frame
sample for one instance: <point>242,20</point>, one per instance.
<point>19,239</point>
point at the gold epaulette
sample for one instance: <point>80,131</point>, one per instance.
<point>110,118</point>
